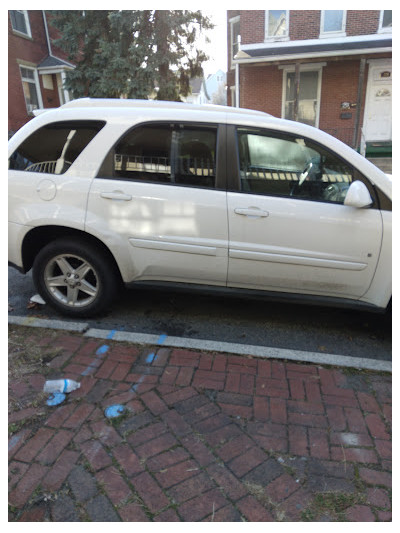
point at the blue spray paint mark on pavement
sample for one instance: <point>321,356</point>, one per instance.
<point>88,370</point>
<point>150,358</point>
<point>111,334</point>
<point>103,349</point>
<point>13,442</point>
<point>93,366</point>
<point>136,385</point>
<point>162,339</point>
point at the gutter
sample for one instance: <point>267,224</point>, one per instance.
<point>309,55</point>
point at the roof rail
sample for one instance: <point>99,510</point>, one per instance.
<point>37,112</point>
<point>132,103</point>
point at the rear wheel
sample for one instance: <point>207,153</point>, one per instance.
<point>76,278</point>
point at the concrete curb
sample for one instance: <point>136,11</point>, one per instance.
<point>34,322</point>
<point>206,345</point>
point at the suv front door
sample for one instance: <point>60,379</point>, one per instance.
<point>288,227</point>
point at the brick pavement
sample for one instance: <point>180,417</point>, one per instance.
<point>206,437</point>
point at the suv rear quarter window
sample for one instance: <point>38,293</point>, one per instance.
<point>53,148</point>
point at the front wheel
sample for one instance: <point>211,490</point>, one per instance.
<point>75,278</point>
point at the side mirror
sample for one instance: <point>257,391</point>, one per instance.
<point>358,195</point>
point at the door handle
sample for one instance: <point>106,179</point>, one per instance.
<point>116,195</point>
<point>251,212</point>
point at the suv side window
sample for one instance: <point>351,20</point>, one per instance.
<point>286,165</point>
<point>165,153</point>
<point>53,148</point>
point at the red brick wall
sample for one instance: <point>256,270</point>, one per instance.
<point>261,88</point>
<point>32,50</point>
<point>304,24</point>
<point>252,23</point>
<point>339,84</point>
<point>362,22</point>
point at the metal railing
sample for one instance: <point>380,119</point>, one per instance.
<point>196,166</point>
<point>47,167</point>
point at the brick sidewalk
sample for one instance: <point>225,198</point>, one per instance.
<point>207,437</point>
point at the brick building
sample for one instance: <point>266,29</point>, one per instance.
<point>331,69</point>
<point>36,69</point>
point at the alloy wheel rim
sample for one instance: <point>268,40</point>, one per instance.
<point>71,280</point>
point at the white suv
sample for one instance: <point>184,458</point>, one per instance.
<point>109,191</point>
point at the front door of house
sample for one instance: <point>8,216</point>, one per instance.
<point>378,106</point>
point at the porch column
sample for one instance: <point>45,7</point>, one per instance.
<point>296,92</point>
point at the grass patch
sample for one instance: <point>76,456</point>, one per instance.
<point>25,357</point>
<point>332,505</point>
<point>27,360</point>
<point>118,420</point>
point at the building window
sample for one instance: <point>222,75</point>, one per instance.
<point>309,95</point>
<point>333,23</point>
<point>235,36</point>
<point>20,22</point>
<point>276,24</point>
<point>30,85</point>
<point>385,22</point>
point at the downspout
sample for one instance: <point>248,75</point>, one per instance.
<point>47,33</point>
<point>237,85</point>
<point>237,78</point>
<point>356,134</point>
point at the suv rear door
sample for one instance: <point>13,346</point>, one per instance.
<point>161,194</point>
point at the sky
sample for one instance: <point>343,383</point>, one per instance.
<point>216,49</point>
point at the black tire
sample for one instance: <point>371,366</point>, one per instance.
<point>75,277</point>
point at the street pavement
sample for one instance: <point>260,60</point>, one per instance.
<point>203,436</point>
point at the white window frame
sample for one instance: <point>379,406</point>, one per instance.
<point>233,21</point>
<point>37,85</point>
<point>303,68</point>
<point>268,37</point>
<point>336,33</point>
<point>381,29</point>
<point>28,26</point>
